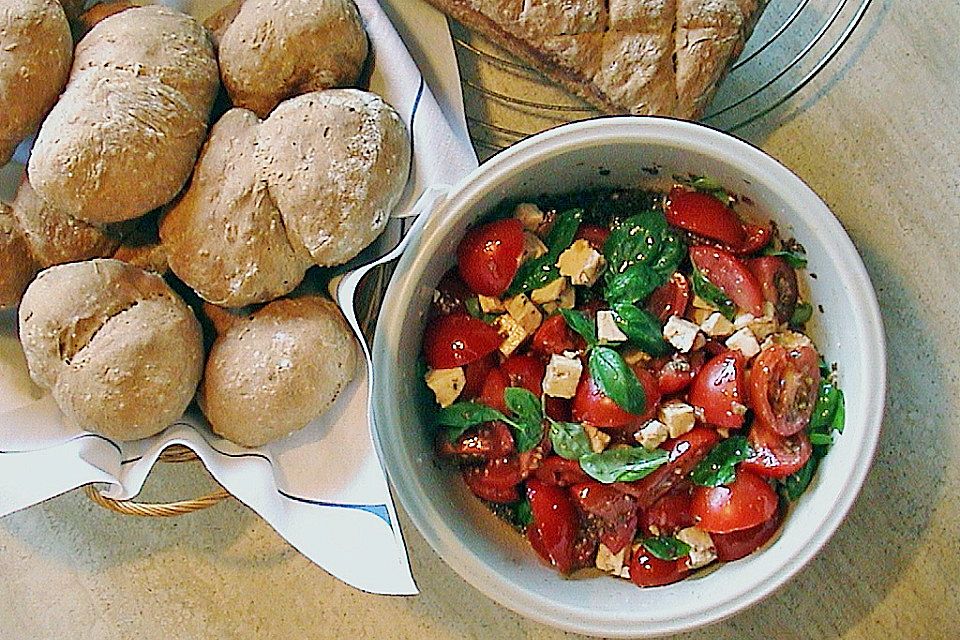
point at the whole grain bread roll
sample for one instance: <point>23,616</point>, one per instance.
<point>17,266</point>
<point>124,136</point>
<point>273,372</point>
<point>275,49</point>
<point>35,53</point>
<point>120,351</point>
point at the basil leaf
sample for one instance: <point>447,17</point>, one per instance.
<point>633,285</point>
<point>569,440</point>
<point>461,416</point>
<point>710,186</point>
<point>840,416</point>
<point>642,328</point>
<point>522,513</point>
<point>534,274</point>
<point>712,294</point>
<point>666,548</point>
<point>794,485</point>
<point>795,259</point>
<point>582,324</point>
<point>472,306</point>
<point>825,408</point>
<point>673,250</point>
<point>635,240</point>
<point>821,439</point>
<point>616,380</point>
<point>720,465</point>
<point>528,417</point>
<point>623,465</point>
<point>801,314</point>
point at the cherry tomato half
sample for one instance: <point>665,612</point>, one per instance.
<point>495,480</point>
<point>457,340</point>
<point>488,441</point>
<point>704,215</point>
<point>555,336</point>
<point>671,512</point>
<point>778,281</point>
<point>491,393</point>
<point>671,298</point>
<point>678,372</point>
<point>774,455</point>
<point>783,387</point>
<point>525,371</point>
<point>720,391</point>
<point>595,234</point>
<point>731,275</point>
<point>451,296</point>
<point>489,255</point>
<point>476,374</point>
<point>757,237</point>
<point>553,531</point>
<point>616,511</point>
<point>592,406</point>
<point>647,570</point>
<point>744,503</point>
<point>561,472</point>
<point>738,544</point>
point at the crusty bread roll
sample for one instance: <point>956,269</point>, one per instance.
<point>273,372</point>
<point>123,138</point>
<point>275,49</point>
<point>120,351</point>
<point>35,53</point>
<point>88,19</point>
<point>17,266</point>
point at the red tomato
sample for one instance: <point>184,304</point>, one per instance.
<point>744,503</point>
<point>456,340</point>
<point>553,531</point>
<point>451,294</point>
<point>774,455</point>
<point>731,275</point>
<point>489,255</point>
<point>524,371</point>
<point>783,387</point>
<point>686,452</point>
<point>704,215</point>
<point>592,406</point>
<point>488,441</point>
<point>671,298</point>
<point>476,374</point>
<point>649,571</point>
<point>495,480</point>
<point>616,511</point>
<point>736,545</point>
<point>558,408</point>
<point>757,237</point>
<point>491,394</point>
<point>678,372</point>
<point>778,281</point>
<point>595,234</point>
<point>554,336</point>
<point>560,472</point>
<point>671,512</point>
<point>720,391</point>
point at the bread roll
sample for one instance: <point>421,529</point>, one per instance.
<point>124,136</point>
<point>119,350</point>
<point>35,53</point>
<point>275,49</point>
<point>273,372</point>
<point>17,266</point>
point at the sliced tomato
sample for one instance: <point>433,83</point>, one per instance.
<point>783,387</point>
<point>592,406</point>
<point>686,452</point>
<point>678,372</point>
<point>476,373</point>
<point>491,393</point>
<point>457,340</point>
<point>452,294</point>
<point>736,545</point>
<point>560,472</point>
<point>704,215</point>
<point>744,503</point>
<point>774,455</point>
<point>489,255</point>
<point>731,275</point>
<point>757,236</point>
<point>558,408</point>
<point>495,480</point>
<point>488,441</point>
<point>778,281</point>
<point>553,531</point>
<point>555,336</point>
<point>719,390</point>
<point>595,234</point>
<point>647,570</point>
<point>671,298</point>
<point>616,511</point>
<point>524,370</point>
<point>671,512</point>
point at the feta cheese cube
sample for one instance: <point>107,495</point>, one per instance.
<point>568,300</point>
<point>511,331</point>
<point>533,247</point>
<point>562,376</point>
<point>652,435</point>
<point>489,304</point>
<point>678,417</point>
<point>446,384</point>
<point>788,339</point>
<point>716,325</point>
<point>610,562</point>
<point>701,315</point>
<point>700,303</point>
<point>743,320</point>
<point>598,439</point>
<point>607,328</point>
<point>702,549</point>
<point>680,333</point>
<point>581,263</point>
<point>763,327</point>
<point>549,292</point>
<point>529,215</point>
<point>635,356</point>
<point>745,342</point>
<point>524,312</point>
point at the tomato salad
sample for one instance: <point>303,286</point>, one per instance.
<point>624,376</point>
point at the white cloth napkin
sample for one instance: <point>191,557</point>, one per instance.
<point>323,489</point>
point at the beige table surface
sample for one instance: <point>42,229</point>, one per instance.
<point>879,140</point>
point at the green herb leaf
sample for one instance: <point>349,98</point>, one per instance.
<point>710,186</point>
<point>473,307</point>
<point>636,240</point>
<point>642,328</point>
<point>582,324</point>
<point>720,465</point>
<point>633,285</point>
<point>528,417</point>
<point>616,380</point>
<point>460,416</point>
<point>840,416</point>
<point>801,314</point>
<point>712,294</point>
<point>666,548</point>
<point>795,259</point>
<point>522,513</point>
<point>534,274</point>
<point>623,465</point>
<point>569,440</point>
<point>828,399</point>
<point>794,485</point>
<point>821,439</point>
<point>673,250</point>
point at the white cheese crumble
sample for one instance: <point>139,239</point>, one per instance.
<point>549,292</point>
<point>702,549</point>
<point>562,376</point>
<point>598,439</point>
<point>446,384</point>
<point>678,417</point>
<point>581,263</point>
<point>491,305</point>
<point>607,328</point>
<point>529,215</point>
<point>745,342</point>
<point>680,333</point>
<point>512,333</point>
<point>610,562</point>
<point>652,435</point>
<point>716,325</point>
<point>524,312</point>
<point>533,247</point>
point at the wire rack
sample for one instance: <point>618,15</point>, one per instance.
<point>793,42</point>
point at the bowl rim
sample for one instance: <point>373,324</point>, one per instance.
<point>531,151</point>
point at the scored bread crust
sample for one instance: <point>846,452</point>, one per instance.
<point>644,57</point>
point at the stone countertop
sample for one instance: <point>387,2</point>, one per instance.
<point>877,138</point>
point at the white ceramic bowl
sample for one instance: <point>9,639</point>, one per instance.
<point>492,557</point>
